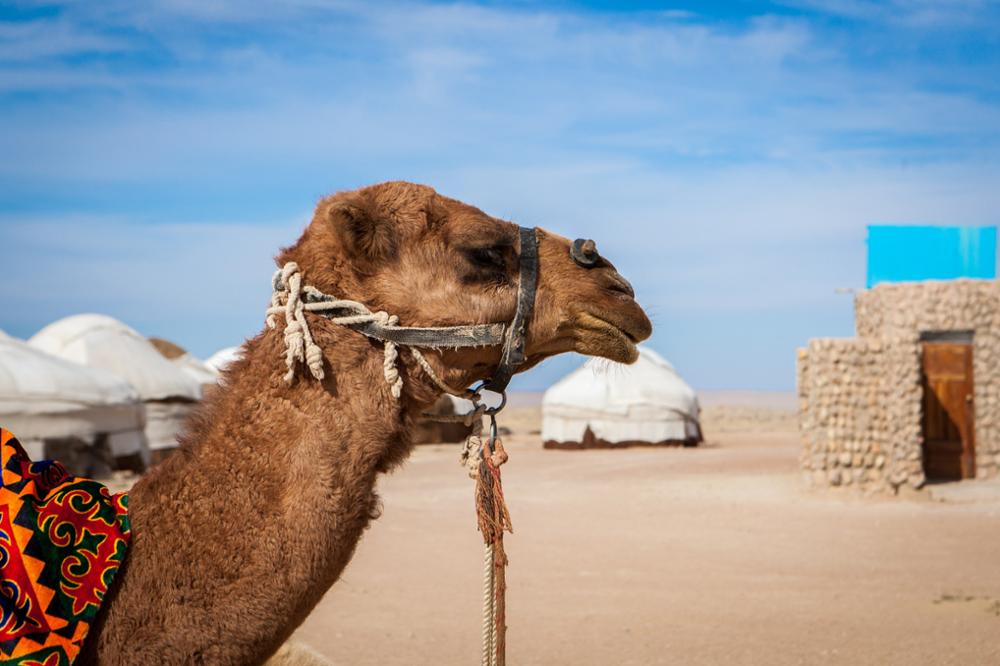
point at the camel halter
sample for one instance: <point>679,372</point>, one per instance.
<point>289,297</point>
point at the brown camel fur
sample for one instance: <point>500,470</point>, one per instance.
<point>238,535</point>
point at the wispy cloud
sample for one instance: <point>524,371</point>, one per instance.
<point>47,39</point>
<point>920,14</point>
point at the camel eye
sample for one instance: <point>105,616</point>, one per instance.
<point>487,265</point>
<point>487,257</point>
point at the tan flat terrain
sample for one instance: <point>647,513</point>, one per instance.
<point>714,555</point>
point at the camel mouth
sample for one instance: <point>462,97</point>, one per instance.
<point>597,335</point>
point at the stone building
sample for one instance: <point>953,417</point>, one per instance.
<point>915,397</point>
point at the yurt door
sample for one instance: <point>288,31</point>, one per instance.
<point>949,451</point>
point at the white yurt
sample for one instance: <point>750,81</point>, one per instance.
<point>222,358</point>
<point>98,341</point>
<point>196,369</point>
<point>50,404</point>
<point>606,404</point>
<point>189,364</point>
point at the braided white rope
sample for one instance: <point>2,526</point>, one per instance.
<point>299,344</point>
<point>472,449</point>
<point>489,657</point>
<point>422,361</point>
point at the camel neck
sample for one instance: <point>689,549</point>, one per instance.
<point>273,482</point>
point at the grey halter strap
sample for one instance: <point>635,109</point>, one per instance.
<point>435,337</point>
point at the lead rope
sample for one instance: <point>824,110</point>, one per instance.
<point>482,459</point>
<point>494,520</point>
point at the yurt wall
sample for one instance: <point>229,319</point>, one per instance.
<point>59,409</point>
<point>102,342</point>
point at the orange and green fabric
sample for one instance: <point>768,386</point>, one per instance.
<point>62,540</point>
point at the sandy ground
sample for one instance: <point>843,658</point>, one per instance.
<point>714,555</point>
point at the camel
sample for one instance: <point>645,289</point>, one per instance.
<point>238,534</point>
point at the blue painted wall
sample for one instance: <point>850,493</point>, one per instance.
<point>912,253</point>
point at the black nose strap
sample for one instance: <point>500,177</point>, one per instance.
<point>584,252</point>
<point>513,354</point>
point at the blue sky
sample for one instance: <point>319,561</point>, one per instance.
<point>727,156</point>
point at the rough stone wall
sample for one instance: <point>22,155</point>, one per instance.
<point>860,413</point>
<point>909,309</point>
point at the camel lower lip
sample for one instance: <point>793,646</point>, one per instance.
<point>623,348</point>
<point>610,326</point>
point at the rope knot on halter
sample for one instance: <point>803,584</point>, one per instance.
<point>389,370</point>
<point>287,299</point>
<point>299,344</point>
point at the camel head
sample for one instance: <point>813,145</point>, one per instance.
<point>435,261</point>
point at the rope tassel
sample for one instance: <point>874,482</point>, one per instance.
<point>299,344</point>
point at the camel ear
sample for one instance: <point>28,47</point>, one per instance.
<point>368,237</point>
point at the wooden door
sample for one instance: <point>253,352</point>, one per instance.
<point>949,431</point>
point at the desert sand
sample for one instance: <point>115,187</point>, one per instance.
<point>714,555</point>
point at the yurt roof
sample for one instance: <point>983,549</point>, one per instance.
<point>189,364</point>
<point>99,341</point>
<point>34,382</point>
<point>220,359</point>
<point>169,350</point>
<point>600,386</point>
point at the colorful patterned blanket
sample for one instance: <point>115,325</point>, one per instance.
<point>62,539</point>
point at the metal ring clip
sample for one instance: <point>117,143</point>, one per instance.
<point>477,396</point>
